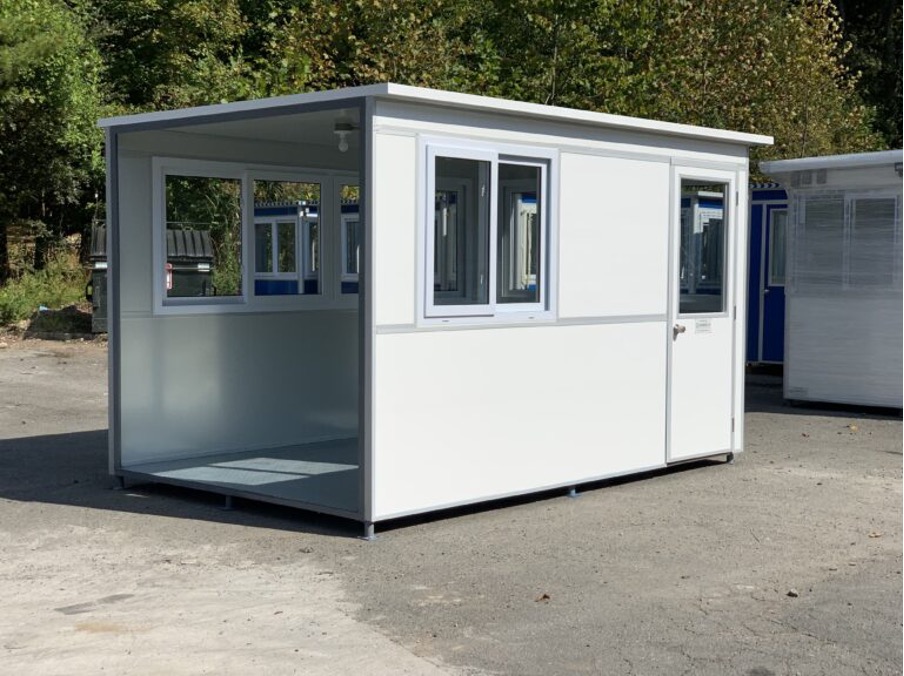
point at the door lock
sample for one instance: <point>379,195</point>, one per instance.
<point>678,328</point>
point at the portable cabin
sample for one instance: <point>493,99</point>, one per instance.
<point>524,314</point>
<point>843,285</point>
<point>766,274</point>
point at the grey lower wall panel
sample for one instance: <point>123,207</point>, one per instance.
<point>202,384</point>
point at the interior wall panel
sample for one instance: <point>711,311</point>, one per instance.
<point>196,385</point>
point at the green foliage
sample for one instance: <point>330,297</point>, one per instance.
<point>60,283</point>
<point>874,29</point>
<point>50,98</point>
<point>779,67</point>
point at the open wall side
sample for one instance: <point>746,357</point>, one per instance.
<point>202,383</point>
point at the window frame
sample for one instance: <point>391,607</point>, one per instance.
<point>162,168</point>
<point>770,273</point>
<point>330,295</point>
<point>730,214</point>
<point>546,159</point>
<point>344,221</point>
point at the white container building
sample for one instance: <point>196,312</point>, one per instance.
<point>843,338</point>
<point>511,306</point>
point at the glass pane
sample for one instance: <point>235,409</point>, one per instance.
<point>291,204</point>
<point>461,232</point>
<point>286,246</point>
<point>703,247</point>
<point>777,234</point>
<point>312,245</point>
<point>518,245</point>
<point>819,246</point>
<point>352,252</point>
<point>872,253</point>
<point>263,247</point>
<point>203,236</point>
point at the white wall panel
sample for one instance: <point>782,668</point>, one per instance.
<point>395,229</point>
<point>467,415</point>
<point>613,236</point>
<point>195,385</point>
<point>844,349</point>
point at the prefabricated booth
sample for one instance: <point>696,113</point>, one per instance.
<point>843,337</point>
<point>766,274</point>
<point>421,299</point>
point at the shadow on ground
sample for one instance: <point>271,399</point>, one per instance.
<point>71,469</point>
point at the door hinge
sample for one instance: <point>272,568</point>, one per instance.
<point>732,425</point>
<point>734,313</point>
<point>737,198</point>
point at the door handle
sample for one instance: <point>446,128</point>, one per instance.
<point>678,328</point>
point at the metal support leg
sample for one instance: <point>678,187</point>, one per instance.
<point>729,459</point>
<point>119,483</point>
<point>228,505</point>
<point>573,492</point>
<point>368,534</point>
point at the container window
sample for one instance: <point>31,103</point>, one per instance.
<point>487,233</point>
<point>518,249</point>
<point>703,250</point>
<point>203,236</point>
<point>286,217</point>
<point>778,227</point>
<point>461,232</point>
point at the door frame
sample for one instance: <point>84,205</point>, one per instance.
<point>735,233</point>
<point>769,206</point>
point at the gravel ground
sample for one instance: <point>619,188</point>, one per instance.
<point>786,562</point>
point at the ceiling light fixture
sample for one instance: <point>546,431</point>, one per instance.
<point>342,128</point>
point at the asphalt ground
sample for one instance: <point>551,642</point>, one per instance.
<point>786,562</point>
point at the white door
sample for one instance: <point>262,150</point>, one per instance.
<point>704,229</point>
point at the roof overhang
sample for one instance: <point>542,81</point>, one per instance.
<point>301,103</point>
<point>781,167</point>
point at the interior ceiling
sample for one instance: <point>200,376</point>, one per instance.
<point>303,128</point>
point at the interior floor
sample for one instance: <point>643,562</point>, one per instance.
<point>321,476</point>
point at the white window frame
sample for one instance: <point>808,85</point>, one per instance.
<point>345,220</point>
<point>329,296</point>
<point>546,159</point>
<point>769,272</point>
<point>730,214</point>
<point>274,222</point>
<point>161,169</point>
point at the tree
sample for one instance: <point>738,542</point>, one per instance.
<point>50,99</point>
<point>873,28</point>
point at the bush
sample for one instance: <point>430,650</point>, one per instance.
<point>60,283</point>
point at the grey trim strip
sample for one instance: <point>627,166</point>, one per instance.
<point>366,314</point>
<point>114,340</point>
<point>229,116</point>
<point>568,321</point>
<point>515,494</point>
<point>249,495</point>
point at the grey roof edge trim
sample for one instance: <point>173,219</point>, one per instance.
<point>832,162</point>
<point>186,115</point>
<point>436,97</point>
<point>476,102</point>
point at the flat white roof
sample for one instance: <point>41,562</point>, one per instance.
<point>435,97</point>
<point>832,162</point>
